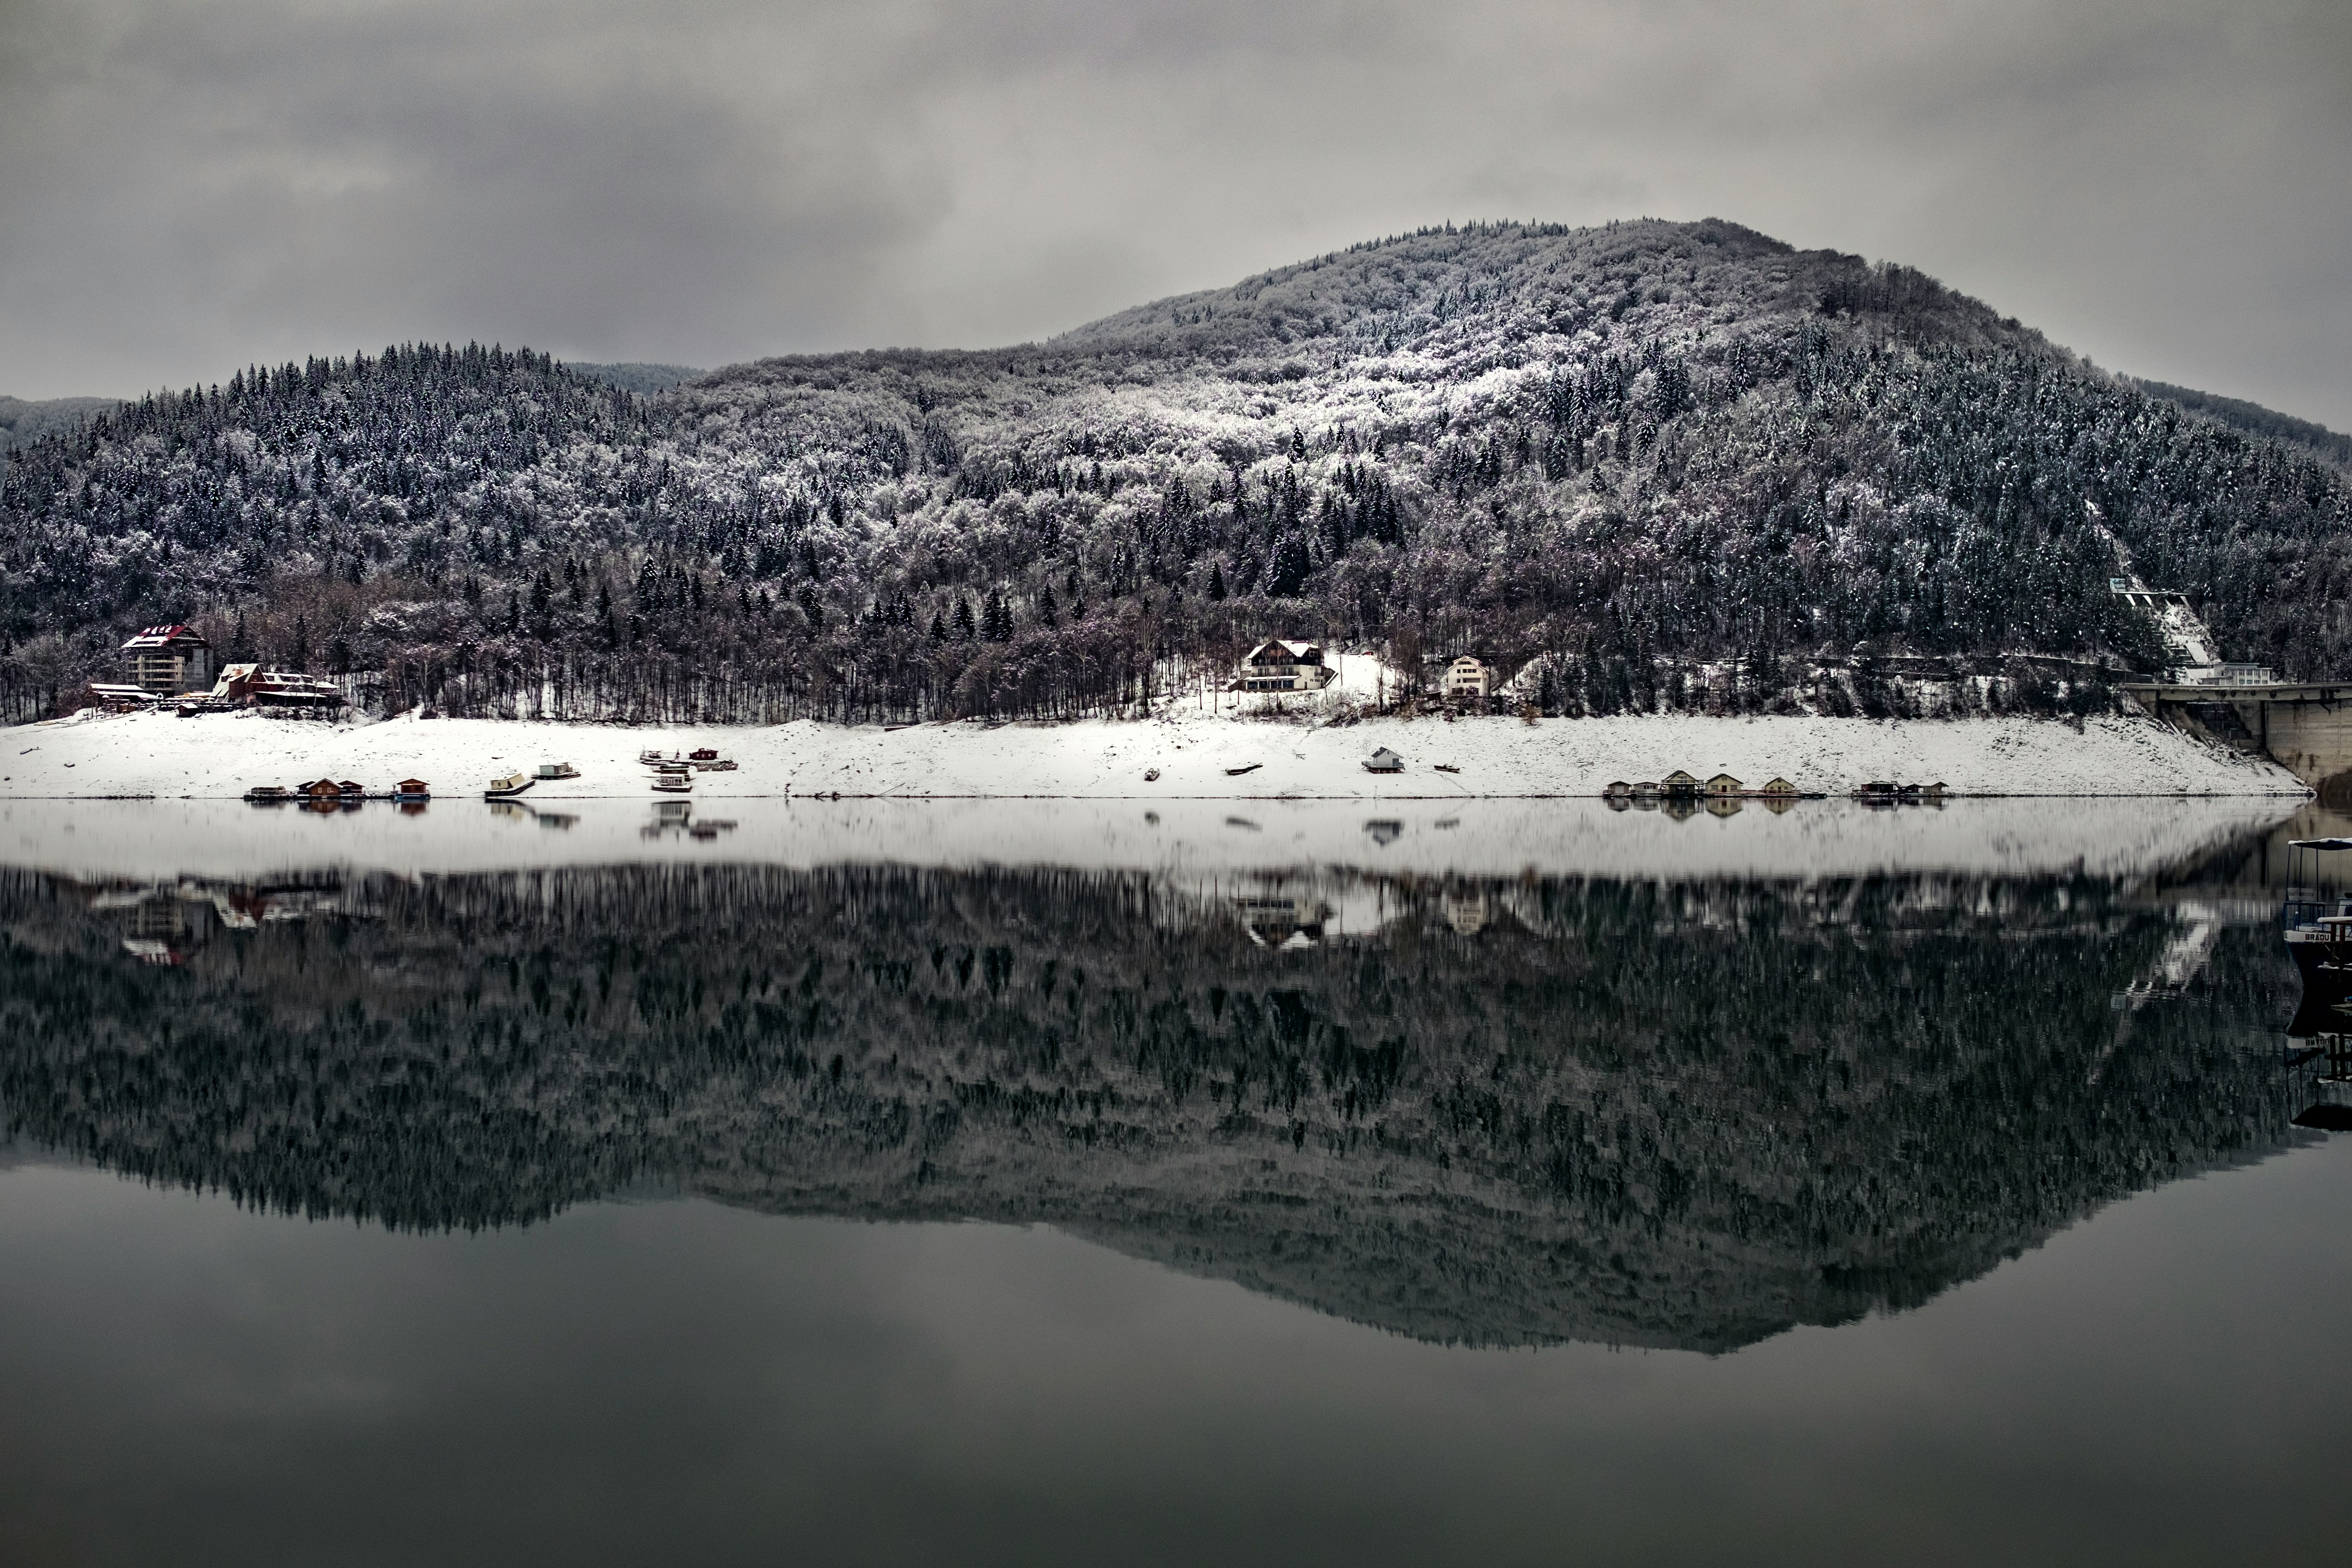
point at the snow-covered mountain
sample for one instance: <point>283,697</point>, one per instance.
<point>1667,463</point>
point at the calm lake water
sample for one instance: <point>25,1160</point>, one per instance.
<point>1034,1184</point>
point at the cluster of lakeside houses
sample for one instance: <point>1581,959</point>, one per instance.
<point>172,667</point>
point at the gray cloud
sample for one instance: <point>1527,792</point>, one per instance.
<point>190,185</point>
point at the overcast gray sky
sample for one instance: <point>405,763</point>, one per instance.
<point>186,186</point>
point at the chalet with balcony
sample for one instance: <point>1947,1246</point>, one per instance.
<point>1275,665</point>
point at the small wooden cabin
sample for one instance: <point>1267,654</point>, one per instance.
<point>350,788</point>
<point>1778,789</point>
<point>1384,761</point>
<point>1679,782</point>
<point>411,789</point>
<point>1724,784</point>
<point>1614,788</point>
<point>321,789</point>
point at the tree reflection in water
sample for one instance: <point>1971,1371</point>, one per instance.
<point>1472,1112</point>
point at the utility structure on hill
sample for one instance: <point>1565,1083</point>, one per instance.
<point>2196,653</point>
<point>2303,726</point>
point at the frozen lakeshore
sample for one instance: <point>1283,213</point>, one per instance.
<point>94,754</point>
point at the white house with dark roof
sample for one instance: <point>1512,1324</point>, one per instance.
<point>1275,665</point>
<point>1469,677</point>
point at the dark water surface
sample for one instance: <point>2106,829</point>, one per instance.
<point>709,1212</point>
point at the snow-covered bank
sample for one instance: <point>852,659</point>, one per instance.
<point>95,755</point>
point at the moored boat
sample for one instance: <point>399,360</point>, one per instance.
<point>674,784</point>
<point>269,794</point>
<point>2317,921</point>
<point>508,787</point>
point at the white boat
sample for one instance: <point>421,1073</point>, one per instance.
<point>674,784</point>
<point>508,787</point>
<point>558,771</point>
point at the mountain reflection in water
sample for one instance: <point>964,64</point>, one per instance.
<point>1520,1112</point>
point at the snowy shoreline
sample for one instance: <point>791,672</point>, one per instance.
<point>95,755</point>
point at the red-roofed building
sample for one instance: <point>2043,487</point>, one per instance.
<point>168,660</point>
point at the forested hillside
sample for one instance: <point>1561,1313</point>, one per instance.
<point>1669,464</point>
<point>24,421</point>
<point>2332,444</point>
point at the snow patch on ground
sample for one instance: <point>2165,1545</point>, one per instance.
<point>94,754</point>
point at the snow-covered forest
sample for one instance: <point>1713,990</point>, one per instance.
<point>1651,464</point>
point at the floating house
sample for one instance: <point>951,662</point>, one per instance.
<point>1384,761</point>
<point>412,789</point>
<point>1778,789</point>
<point>1679,782</point>
<point>1279,666</point>
<point>1724,784</point>
<point>1614,788</point>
